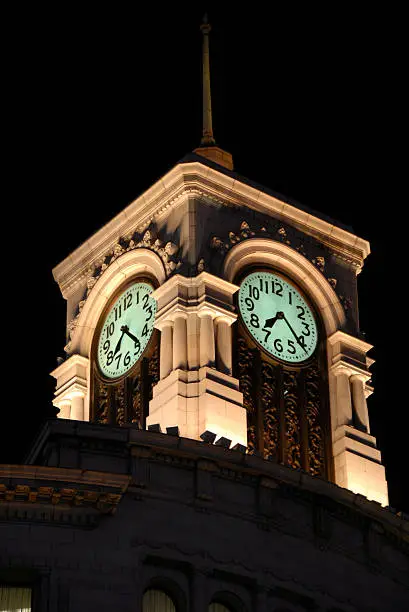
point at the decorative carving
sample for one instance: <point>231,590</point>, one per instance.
<point>284,410</point>
<point>136,412</point>
<point>153,369</point>
<point>201,266</point>
<point>120,404</point>
<point>101,403</point>
<point>319,262</point>
<point>150,241</point>
<point>245,366</point>
<point>271,415</point>
<point>315,432</point>
<point>292,419</point>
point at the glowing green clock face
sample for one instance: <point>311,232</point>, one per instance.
<point>278,317</point>
<point>126,331</point>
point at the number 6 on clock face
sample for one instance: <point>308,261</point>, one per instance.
<point>126,330</point>
<point>278,317</point>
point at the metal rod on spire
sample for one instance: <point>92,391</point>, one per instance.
<point>207,138</point>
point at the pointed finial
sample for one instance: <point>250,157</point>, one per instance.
<point>208,146</point>
<point>207,137</point>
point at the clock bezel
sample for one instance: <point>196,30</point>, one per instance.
<point>243,326</point>
<point>150,280</point>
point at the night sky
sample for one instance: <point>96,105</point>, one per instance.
<point>101,104</point>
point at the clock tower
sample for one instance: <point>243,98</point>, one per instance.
<point>217,307</point>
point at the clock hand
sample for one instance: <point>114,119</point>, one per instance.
<point>271,322</point>
<point>294,334</point>
<point>125,330</point>
<point>118,344</point>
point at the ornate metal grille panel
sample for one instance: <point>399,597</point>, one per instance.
<point>126,401</point>
<point>287,409</point>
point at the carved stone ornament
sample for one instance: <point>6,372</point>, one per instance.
<point>222,245</point>
<point>149,240</point>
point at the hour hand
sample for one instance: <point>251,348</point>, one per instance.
<point>271,322</point>
<point>125,330</point>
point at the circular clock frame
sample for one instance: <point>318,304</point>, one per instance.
<point>294,365</point>
<point>102,319</point>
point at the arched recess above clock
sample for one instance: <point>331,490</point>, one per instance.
<point>140,262</point>
<point>284,259</point>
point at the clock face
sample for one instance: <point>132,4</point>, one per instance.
<point>126,331</point>
<point>278,317</point>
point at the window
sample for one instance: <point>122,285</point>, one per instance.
<point>157,601</point>
<point>15,599</point>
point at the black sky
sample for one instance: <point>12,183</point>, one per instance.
<point>101,103</point>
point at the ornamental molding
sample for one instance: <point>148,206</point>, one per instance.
<point>278,233</point>
<point>46,495</point>
<point>149,240</point>
<point>195,179</point>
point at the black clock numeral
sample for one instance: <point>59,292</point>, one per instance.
<point>250,304</point>
<point>145,330</point>
<point>145,299</point>
<point>278,345</point>
<point>118,360</point>
<point>290,298</point>
<point>137,346</point>
<point>149,309</point>
<point>127,359</point>
<point>106,346</point>
<point>277,288</point>
<point>291,347</point>
<point>254,292</point>
<point>267,332</point>
<point>254,320</point>
<point>306,331</point>
<point>110,329</point>
<point>127,301</point>
<point>264,286</point>
<point>301,340</point>
<point>110,357</point>
<point>301,313</point>
<point>137,298</point>
<point>118,312</point>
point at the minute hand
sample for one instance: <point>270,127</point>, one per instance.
<point>128,333</point>
<point>294,334</point>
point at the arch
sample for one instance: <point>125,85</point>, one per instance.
<point>226,601</point>
<point>283,258</point>
<point>134,263</point>
<point>165,589</point>
<point>155,600</point>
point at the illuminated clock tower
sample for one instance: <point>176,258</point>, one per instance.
<point>210,304</point>
<point>212,451</point>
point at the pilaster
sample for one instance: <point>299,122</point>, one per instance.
<point>71,395</point>
<point>357,461</point>
<point>197,392</point>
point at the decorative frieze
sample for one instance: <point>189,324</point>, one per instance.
<point>278,232</point>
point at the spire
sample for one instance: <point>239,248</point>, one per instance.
<point>208,146</point>
<point>207,138</point>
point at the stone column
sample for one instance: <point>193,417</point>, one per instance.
<point>166,349</point>
<point>179,341</point>
<point>359,401</point>
<point>344,412</point>
<point>207,345</point>
<point>77,407</point>
<point>223,346</point>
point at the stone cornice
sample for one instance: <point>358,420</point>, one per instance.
<point>199,180</point>
<point>54,494</point>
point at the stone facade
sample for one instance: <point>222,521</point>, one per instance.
<point>99,514</point>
